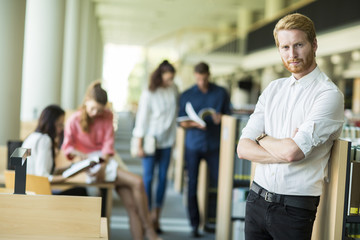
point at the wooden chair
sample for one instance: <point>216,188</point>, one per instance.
<point>36,184</point>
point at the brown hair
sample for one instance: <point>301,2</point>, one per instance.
<point>296,21</point>
<point>156,76</point>
<point>94,92</point>
<point>202,68</point>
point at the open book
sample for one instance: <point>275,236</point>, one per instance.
<point>192,115</point>
<point>81,166</point>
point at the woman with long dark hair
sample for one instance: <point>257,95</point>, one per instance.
<point>90,131</point>
<point>156,117</point>
<point>44,143</point>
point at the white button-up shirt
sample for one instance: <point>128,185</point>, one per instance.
<point>315,106</point>
<point>156,115</point>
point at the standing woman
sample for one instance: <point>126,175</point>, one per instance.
<point>156,117</point>
<point>90,131</point>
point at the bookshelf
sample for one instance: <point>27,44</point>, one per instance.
<point>351,223</point>
<point>233,172</point>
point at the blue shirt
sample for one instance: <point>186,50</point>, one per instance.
<point>217,98</point>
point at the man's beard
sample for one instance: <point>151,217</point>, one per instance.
<point>301,66</point>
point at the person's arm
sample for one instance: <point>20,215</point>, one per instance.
<point>324,121</point>
<point>69,140</point>
<point>142,119</point>
<point>285,150</point>
<point>108,140</point>
<point>250,150</point>
<point>44,158</point>
<point>191,124</point>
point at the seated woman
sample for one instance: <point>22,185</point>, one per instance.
<point>90,131</point>
<point>44,145</point>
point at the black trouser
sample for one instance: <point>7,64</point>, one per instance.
<point>193,158</point>
<point>268,220</point>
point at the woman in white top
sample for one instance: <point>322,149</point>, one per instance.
<point>44,144</point>
<point>156,117</point>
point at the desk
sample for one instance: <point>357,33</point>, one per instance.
<point>103,235</point>
<point>38,217</point>
<point>79,181</point>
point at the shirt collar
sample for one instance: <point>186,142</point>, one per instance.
<point>211,86</point>
<point>306,80</point>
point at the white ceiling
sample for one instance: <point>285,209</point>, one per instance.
<point>161,22</point>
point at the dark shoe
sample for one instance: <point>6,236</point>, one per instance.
<point>159,231</point>
<point>195,233</point>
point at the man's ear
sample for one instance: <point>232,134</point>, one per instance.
<point>315,45</point>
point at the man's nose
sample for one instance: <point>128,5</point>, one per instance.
<point>293,52</point>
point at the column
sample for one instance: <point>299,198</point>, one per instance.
<point>43,53</point>
<point>71,55</point>
<point>267,76</point>
<point>243,23</point>
<point>272,7</point>
<point>100,57</point>
<point>12,25</point>
<point>85,50</point>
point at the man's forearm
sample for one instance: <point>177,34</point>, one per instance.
<point>248,149</point>
<point>284,149</point>
<point>191,124</point>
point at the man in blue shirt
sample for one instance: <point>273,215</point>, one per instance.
<point>202,142</point>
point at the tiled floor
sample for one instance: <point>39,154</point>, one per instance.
<point>174,220</point>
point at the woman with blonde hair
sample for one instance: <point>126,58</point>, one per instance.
<point>89,131</point>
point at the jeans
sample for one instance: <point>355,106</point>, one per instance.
<point>193,158</point>
<point>162,160</point>
<point>268,221</point>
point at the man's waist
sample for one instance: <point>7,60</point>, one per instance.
<point>304,202</point>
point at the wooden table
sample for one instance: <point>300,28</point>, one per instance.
<point>79,180</point>
<point>38,217</point>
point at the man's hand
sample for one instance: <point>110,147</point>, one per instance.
<point>191,124</point>
<point>216,118</point>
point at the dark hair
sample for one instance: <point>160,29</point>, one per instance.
<point>202,68</point>
<point>94,92</point>
<point>47,121</point>
<point>156,76</point>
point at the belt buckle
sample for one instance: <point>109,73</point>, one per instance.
<point>268,196</point>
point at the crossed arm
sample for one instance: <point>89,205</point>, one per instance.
<point>269,150</point>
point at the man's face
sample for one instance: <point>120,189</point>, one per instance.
<point>202,80</point>
<point>297,53</point>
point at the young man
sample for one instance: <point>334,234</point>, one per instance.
<point>290,135</point>
<point>202,142</point>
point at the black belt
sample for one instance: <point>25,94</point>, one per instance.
<point>305,202</point>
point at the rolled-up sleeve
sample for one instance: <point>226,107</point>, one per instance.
<point>324,122</point>
<point>256,124</point>
<point>108,144</point>
<point>69,131</point>
<point>142,115</point>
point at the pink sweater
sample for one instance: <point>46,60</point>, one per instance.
<point>100,137</point>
